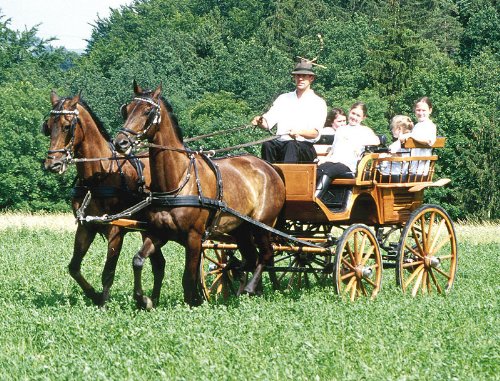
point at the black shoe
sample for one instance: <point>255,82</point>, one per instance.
<point>322,186</point>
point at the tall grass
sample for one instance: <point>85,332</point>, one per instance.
<point>49,331</point>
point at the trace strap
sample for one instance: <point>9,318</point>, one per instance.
<point>172,201</point>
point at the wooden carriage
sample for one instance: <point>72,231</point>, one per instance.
<point>372,221</point>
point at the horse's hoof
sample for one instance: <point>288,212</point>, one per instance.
<point>249,291</point>
<point>97,298</point>
<point>144,303</point>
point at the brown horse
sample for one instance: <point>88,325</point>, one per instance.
<point>114,185</point>
<point>187,185</point>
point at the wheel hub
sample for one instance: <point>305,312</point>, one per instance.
<point>364,272</point>
<point>432,262</point>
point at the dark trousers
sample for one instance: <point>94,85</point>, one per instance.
<point>291,151</point>
<point>334,170</point>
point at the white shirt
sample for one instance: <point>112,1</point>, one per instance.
<point>291,112</point>
<point>349,144</point>
<point>423,132</point>
<point>395,167</point>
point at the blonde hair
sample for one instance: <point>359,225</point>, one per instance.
<point>402,122</point>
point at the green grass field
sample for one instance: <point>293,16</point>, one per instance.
<point>49,331</point>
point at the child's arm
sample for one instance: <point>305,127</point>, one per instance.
<point>426,134</point>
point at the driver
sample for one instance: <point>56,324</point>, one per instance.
<point>300,116</point>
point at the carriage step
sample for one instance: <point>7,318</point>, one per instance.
<point>389,265</point>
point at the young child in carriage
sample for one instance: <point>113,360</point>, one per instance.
<point>398,170</point>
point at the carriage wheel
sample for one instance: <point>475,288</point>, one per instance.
<point>299,270</point>
<point>358,263</point>
<point>219,273</point>
<point>427,252</point>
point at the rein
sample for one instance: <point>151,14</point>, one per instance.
<point>199,137</point>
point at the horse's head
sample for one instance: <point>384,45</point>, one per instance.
<point>142,117</point>
<point>61,128</point>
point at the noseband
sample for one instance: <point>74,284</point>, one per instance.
<point>153,119</point>
<point>68,150</point>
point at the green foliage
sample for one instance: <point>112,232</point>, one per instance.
<point>222,62</point>
<point>23,184</point>
<point>51,331</point>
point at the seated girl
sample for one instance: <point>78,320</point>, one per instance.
<point>424,132</point>
<point>347,148</point>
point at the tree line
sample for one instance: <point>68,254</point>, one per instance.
<point>222,62</point>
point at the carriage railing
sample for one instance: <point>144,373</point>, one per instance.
<point>382,169</point>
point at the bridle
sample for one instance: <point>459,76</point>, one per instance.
<point>153,119</point>
<point>68,150</point>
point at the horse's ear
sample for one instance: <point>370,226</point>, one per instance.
<point>54,99</point>
<point>137,88</point>
<point>157,92</point>
<point>123,111</point>
<point>45,129</point>
<point>74,101</point>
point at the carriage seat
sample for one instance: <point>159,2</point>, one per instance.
<point>324,144</point>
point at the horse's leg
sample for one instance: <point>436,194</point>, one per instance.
<point>83,239</point>
<point>250,255</point>
<point>262,239</point>
<point>158,266</point>
<point>191,279</point>
<point>147,249</point>
<point>115,237</point>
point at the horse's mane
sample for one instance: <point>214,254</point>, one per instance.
<point>173,117</point>
<point>95,118</point>
<point>98,122</point>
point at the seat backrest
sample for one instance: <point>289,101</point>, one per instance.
<point>326,139</point>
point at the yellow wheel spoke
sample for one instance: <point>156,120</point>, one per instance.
<point>348,275</point>
<point>417,241</point>
<point>431,222</point>
<point>219,289</point>
<point>438,286</point>
<point>411,264</point>
<point>437,235</point>
<point>441,244</point>
<point>347,264</point>
<point>363,288</point>
<point>368,255</point>
<point>349,251</point>
<point>413,275</point>
<point>361,248</point>
<point>416,286</point>
<point>429,285</point>
<point>444,257</point>
<point>214,272</point>
<point>354,290</point>
<point>350,284</point>
<point>215,284</point>
<point>369,281</point>
<point>442,273</point>
<point>424,233</point>
<point>413,251</point>
<point>216,262</point>
<point>355,244</point>
<point>424,283</point>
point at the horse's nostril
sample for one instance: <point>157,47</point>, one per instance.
<point>122,144</point>
<point>54,167</point>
